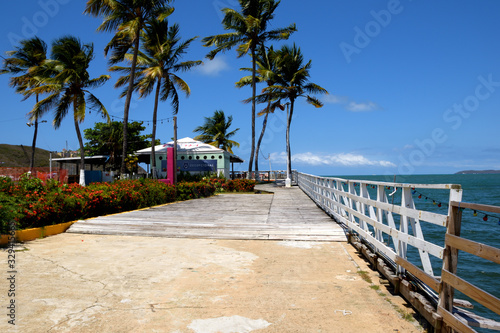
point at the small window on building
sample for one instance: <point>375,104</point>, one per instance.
<point>197,157</point>
<point>190,157</point>
<point>204,157</point>
<point>213,157</point>
<point>220,157</point>
<point>182,157</point>
<point>161,157</point>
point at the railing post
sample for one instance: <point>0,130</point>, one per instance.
<point>407,201</point>
<point>450,259</point>
<point>355,205</point>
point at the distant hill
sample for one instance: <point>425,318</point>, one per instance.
<point>470,172</point>
<point>20,156</point>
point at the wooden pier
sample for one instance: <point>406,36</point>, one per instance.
<point>281,214</point>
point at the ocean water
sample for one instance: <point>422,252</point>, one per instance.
<point>477,188</point>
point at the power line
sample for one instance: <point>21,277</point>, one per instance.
<point>145,121</point>
<point>4,121</point>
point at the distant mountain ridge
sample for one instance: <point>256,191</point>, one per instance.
<point>471,172</point>
<point>19,156</point>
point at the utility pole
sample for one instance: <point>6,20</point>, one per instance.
<point>175,150</point>
<point>288,180</point>
<point>270,167</point>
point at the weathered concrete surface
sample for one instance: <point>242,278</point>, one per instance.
<point>96,283</point>
<point>288,214</point>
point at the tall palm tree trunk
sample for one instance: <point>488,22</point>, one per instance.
<point>153,134</point>
<point>82,152</point>
<point>123,169</point>
<point>33,145</point>
<point>254,93</point>
<point>257,149</point>
<point>288,148</point>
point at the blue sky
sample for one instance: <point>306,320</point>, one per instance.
<point>414,85</point>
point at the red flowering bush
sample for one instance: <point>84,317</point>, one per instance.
<point>236,185</point>
<point>32,203</point>
<point>240,185</point>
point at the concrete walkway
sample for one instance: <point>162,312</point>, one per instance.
<point>287,214</point>
<point>99,283</point>
<point>113,283</point>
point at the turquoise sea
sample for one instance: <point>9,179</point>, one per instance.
<point>477,188</point>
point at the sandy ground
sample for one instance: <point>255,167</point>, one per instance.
<point>91,283</point>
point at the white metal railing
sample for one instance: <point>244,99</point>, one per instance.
<point>375,219</point>
<point>264,175</point>
<point>364,208</point>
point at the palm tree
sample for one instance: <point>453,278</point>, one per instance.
<point>266,63</point>
<point>128,18</point>
<point>158,63</point>
<point>215,131</point>
<point>292,82</point>
<point>67,81</point>
<point>249,30</point>
<point>26,60</point>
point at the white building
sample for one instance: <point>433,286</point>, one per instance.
<point>192,156</point>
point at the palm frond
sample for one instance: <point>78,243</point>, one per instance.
<point>223,43</point>
<point>314,101</point>
<point>144,85</point>
<point>96,104</point>
<point>186,65</point>
<point>97,82</point>
<point>61,110</point>
<point>181,84</point>
<point>244,48</point>
<point>120,69</point>
<point>313,88</point>
<point>43,106</point>
<point>283,33</point>
<point>244,81</point>
<point>79,106</point>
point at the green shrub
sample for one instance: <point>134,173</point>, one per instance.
<point>194,190</point>
<point>29,183</point>
<point>9,211</point>
<point>6,184</point>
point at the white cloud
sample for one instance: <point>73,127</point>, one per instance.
<point>342,159</point>
<point>350,105</point>
<point>213,67</point>
<point>361,107</point>
<point>334,99</point>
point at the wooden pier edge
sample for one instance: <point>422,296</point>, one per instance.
<point>401,287</point>
<point>431,295</point>
<point>439,318</point>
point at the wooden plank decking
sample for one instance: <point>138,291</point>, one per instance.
<point>288,214</point>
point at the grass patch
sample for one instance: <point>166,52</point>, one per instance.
<point>23,250</point>
<point>365,276</point>
<point>405,315</point>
